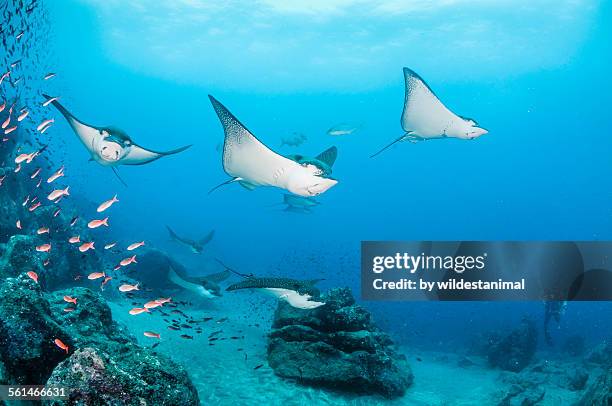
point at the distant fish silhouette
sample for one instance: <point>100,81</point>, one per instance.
<point>295,141</point>
<point>426,117</point>
<point>205,286</point>
<point>342,129</point>
<point>196,246</point>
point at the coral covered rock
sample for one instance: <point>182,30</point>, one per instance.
<point>27,332</point>
<point>19,256</point>
<point>599,392</point>
<point>136,378</point>
<point>514,351</point>
<point>336,346</point>
<point>103,363</point>
<point>89,321</point>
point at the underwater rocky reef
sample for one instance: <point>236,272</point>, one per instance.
<point>336,346</point>
<point>102,364</point>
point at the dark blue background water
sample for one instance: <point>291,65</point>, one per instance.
<point>539,81</point>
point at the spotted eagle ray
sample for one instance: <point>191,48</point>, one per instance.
<point>196,246</point>
<point>425,117</point>
<point>110,146</point>
<point>250,163</point>
<point>297,293</point>
<point>206,286</point>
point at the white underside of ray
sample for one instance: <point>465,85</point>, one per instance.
<point>248,159</point>
<point>89,136</point>
<point>255,163</point>
<point>294,298</point>
<point>138,155</point>
<point>194,287</point>
<point>424,115</point>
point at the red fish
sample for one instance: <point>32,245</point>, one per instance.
<point>75,239</point>
<point>43,248</point>
<point>132,247</point>
<point>57,193</point>
<point>87,246</point>
<point>105,205</point>
<point>151,334</point>
<point>96,275</point>
<point>58,174</point>
<point>61,345</point>
<point>33,275</point>
<point>98,223</point>
<point>128,288</point>
<point>70,299</point>
<point>127,261</point>
<point>138,310</point>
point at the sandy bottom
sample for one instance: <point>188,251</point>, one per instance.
<point>225,374</point>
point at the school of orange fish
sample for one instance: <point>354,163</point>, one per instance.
<point>10,124</point>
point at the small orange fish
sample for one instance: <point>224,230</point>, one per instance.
<point>96,275</point>
<point>151,334</point>
<point>105,205</point>
<point>17,168</point>
<point>61,345</point>
<point>34,206</point>
<point>98,223</point>
<point>70,299</point>
<point>127,261</point>
<point>39,182</point>
<point>132,247</point>
<point>23,115</point>
<point>57,193</point>
<point>57,212</point>
<point>58,174</point>
<point>49,101</point>
<point>164,300</point>
<point>18,224</point>
<point>68,309</point>
<point>128,288</point>
<point>35,174</point>
<point>45,123</point>
<point>109,246</point>
<point>75,239</point>
<point>45,128</point>
<point>6,122</point>
<point>152,304</point>
<point>105,281</point>
<point>23,158</point>
<point>10,130</point>
<point>87,246</point>
<point>33,275</point>
<point>42,230</point>
<point>138,310</point>
<point>44,248</point>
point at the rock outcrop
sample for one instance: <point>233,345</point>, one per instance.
<point>336,346</point>
<point>133,378</point>
<point>103,363</point>
<point>27,332</point>
<point>514,351</point>
<point>599,392</point>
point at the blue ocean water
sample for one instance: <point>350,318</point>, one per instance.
<point>534,74</point>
